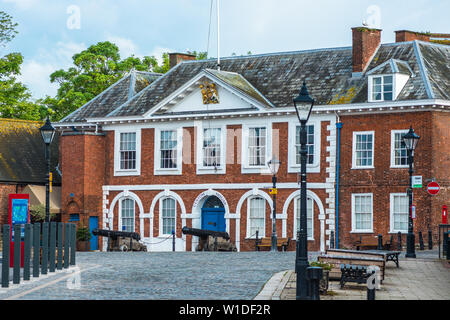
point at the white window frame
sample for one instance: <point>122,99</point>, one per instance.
<point>201,169</point>
<point>391,216</point>
<point>370,87</point>
<point>393,133</point>
<point>157,152</point>
<point>260,234</point>
<point>120,213</point>
<point>245,166</point>
<point>127,172</point>
<point>355,133</point>
<point>293,167</point>
<point>160,230</point>
<point>354,230</point>
<point>296,217</point>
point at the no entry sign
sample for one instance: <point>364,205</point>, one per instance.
<point>433,188</point>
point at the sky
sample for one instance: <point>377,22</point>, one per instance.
<point>51,32</point>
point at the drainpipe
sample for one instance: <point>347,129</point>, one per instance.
<point>339,125</point>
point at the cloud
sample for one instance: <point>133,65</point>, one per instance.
<point>126,46</point>
<point>36,76</point>
<point>22,4</point>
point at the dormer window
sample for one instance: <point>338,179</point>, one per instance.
<point>382,88</point>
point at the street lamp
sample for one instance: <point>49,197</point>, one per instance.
<point>274,165</point>
<point>303,105</point>
<point>47,132</point>
<point>410,140</point>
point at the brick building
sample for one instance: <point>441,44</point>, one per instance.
<point>190,148</point>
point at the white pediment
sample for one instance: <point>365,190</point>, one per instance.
<point>189,98</point>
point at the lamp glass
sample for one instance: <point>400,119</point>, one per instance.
<point>303,104</point>
<point>47,132</point>
<point>411,139</point>
<point>274,165</point>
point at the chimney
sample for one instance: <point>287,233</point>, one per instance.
<point>175,58</point>
<point>365,43</point>
<point>406,35</point>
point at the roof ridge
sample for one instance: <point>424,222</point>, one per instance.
<point>22,120</point>
<point>423,69</point>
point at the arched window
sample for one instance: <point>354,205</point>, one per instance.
<point>168,216</point>
<point>256,213</point>
<point>127,215</point>
<point>309,217</point>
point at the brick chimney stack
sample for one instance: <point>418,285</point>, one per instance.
<point>365,43</point>
<point>175,58</point>
<point>406,35</point>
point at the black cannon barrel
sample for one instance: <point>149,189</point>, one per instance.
<point>114,234</point>
<point>205,233</point>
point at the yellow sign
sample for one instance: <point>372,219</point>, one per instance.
<point>273,191</point>
<point>50,179</point>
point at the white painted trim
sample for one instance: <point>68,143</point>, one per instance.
<point>199,148</point>
<point>391,213</point>
<point>393,165</point>
<point>353,214</point>
<point>157,152</point>
<point>245,166</point>
<point>247,234</point>
<point>117,170</point>
<point>160,220</point>
<point>124,195</point>
<point>354,166</point>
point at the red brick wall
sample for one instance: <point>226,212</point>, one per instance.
<point>404,36</point>
<point>365,42</point>
<point>383,180</point>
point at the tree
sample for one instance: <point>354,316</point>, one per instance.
<point>7,28</point>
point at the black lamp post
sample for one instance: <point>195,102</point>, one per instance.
<point>274,165</point>
<point>410,140</point>
<point>47,132</point>
<point>303,105</point>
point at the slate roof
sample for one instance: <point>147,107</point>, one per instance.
<point>22,153</point>
<point>276,78</point>
<point>110,99</point>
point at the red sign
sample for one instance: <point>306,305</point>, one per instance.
<point>413,212</point>
<point>18,214</point>
<point>433,188</point>
<point>444,214</point>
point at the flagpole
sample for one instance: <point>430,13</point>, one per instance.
<point>218,35</point>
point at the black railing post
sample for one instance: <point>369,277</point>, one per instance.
<point>66,245</point>
<point>173,240</point>
<point>44,263</point>
<point>52,246</point>
<point>430,240</point>
<point>399,241</point>
<point>314,274</point>
<point>256,241</point>
<point>421,244</point>
<point>27,252</point>
<point>36,248</point>
<point>380,242</point>
<point>73,244</point>
<point>60,235</point>
<point>17,257</point>
<point>5,255</point>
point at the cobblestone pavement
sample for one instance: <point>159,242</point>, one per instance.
<point>423,278</point>
<point>169,275</point>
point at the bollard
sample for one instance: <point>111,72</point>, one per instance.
<point>380,242</point>
<point>5,256</point>
<point>66,245</point>
<point>73,244</point>
<point>448,248</point>
<point>421,245</point>
<point>371,290</point>
<point>444,244</point>
<point>52,247</point>
<point>44,259</point>
<point>36,248</point>
<point>27,252</point>
<point>173,240</point>
<point>399,241</point>
<point>430,240</point>
<point>59,256</point>
<point>256,241</point>
<point>314,274</point>
<point>17,257</point>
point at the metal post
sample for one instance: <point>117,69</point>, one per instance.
<point>399,241</point>
<point>47,184</point>
<point>256,241</point>
<point>73,244</point>
<point>17,257</point>
<point>301,260</point>
<point>36,248</point>
<point>422,247</point>
<point>314,275</point>
<point>448,249</point>
<point>27,252</point>
<point>173,240</point>
<point>430,240</point>
<point>274,216</point>
<point>44,263</point>
<point>5,256</point>
<point>51,255</point>
<point>444,244</point>
<point>380,242</point>
<point>59,256</point>
<point>410,238</point>
<point>66,245</point>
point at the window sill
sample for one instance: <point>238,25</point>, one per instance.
<point>363,231</point>
<point>122,173</point>
<point>363,168</point>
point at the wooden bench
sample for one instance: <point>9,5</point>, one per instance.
<point>367,242</point>
<point>267,242</point>
<point>361,260</point>
<point>386,255</point>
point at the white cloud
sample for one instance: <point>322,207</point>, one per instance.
<point>22,4</point>
<point>36,76</point>
<point>126,46</point>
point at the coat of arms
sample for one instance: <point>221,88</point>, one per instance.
<point>209,93</point>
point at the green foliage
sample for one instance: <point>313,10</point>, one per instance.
<point>37,213</point>
<point>7,28</point>
<point>83,233</point>
<point>324,266</point>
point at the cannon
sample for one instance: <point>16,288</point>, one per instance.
<point>121,240</point>
<point>211,240</point>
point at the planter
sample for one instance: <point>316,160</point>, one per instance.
<point>83,245</point>
<point>323,284</point>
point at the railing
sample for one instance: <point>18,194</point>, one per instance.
<point>442,241</point>
<point>46,247</point>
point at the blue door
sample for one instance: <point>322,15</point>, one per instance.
<point>93,223</point>
<point>213,219</point>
